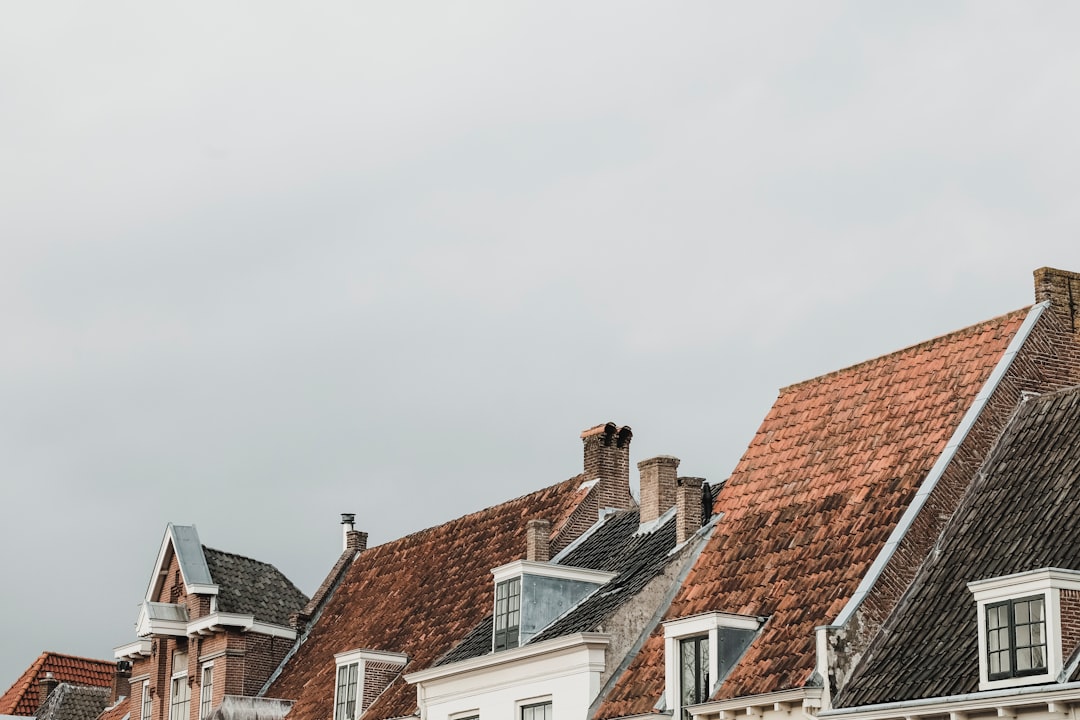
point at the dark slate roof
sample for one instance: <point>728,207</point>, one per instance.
<point>1019,515</point>
<point>613,547</point>
<point>252,587</point>
<point>813,501</point>
<point>22,697</point>
<point>75,702</point>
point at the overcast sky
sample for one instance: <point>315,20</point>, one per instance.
<point>262,263</point>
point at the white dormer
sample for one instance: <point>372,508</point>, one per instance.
<point>529,595</point>
<point>1019,625</point>
<point>699,651</point>
<point>361,677</point>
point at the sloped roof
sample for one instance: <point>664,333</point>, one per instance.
<point>75,702</point>
<point>813,500</point>
<point>615,546</point>
<point>119,711</point>
<point>418,595</point>
<point>22,697</point>
<point>252,587</point>
<point>1019,515</point>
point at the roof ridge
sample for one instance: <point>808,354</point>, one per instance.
<point>76,657</point>
<point>910,348</point>
<point>238,555</point>
<point>477,513</point>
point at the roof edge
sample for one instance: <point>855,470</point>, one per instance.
<point>930,482</point>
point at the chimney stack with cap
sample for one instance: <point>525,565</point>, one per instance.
<point>607,459</point>
<point>537,536</point>
<point>45,687</point>
<point>121,680</point>
<point>688,507</point>
<point>657,486</point>
<point>351,539</point>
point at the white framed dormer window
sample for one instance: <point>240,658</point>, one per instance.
<point>179,690</point>
<point>146,706</point>
<point>206,690</point>
<point>361,676</point>
<point>529,595</point>
<point>1019,626</point>
<point>699,651</point>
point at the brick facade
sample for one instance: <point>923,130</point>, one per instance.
<point>1070,621</point>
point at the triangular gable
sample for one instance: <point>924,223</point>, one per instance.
<point>181,541</point>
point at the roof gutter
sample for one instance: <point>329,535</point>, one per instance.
<point>931,481</point>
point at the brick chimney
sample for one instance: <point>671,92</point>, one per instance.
<point>607,458</point>
<point>351,538</point>
<point>658,480</point>
<point>688,507</point>
<point>45,687</point>
<point>537,535</point>
<point>1062,289</point>
<point>122,676</point>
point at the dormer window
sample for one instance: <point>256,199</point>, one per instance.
<point>530,594</point>
<point>362,675</point>
<point>507,613</point>
<point>699,652</point>
<point>1019,624</point>
<point>1016,638</point>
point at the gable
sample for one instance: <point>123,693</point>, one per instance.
<point>813,500</point>
<point>22,698</point>
<point>180,550</point>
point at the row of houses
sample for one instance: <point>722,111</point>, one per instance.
<point>897,542</point>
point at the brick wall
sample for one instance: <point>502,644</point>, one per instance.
<point>1070,621</point>
<point>377,676</point>
<point>1049,360</point>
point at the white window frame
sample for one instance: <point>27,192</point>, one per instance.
<point>708,624</point>
<point>360,658</point>
<point>179,679</point>
<point>206,691</point>
<point>146,707</point>
<point>520,705</point>
<point>1047,583</point>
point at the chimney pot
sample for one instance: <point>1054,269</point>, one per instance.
<point>689,507</point>
<point>45,687</point>
<point>537,537</point>
<point>607,459</point>
<point>658,481</point>
<point>348,521</point>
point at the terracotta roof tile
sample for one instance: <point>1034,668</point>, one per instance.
<point>22,697</point>
<point>117,711</point>
<point>813,500</point>
<point>418,595</point>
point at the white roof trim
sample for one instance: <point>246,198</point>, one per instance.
<point>506,656</point>
<point>943,460</point>
<point>808,697</point>
<point>182,541</point>
<point>546,569</point>
<point>351,656</point>
<point>247,623</point>
<point>1024,582</point>
<point>972,702</point>
<point>134,650</point>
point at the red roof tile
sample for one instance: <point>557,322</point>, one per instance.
<point>418,595</point>
<point>22,697</point>
<point>813,500</point>
<point>117,711</point>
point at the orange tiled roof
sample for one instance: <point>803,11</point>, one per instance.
<point>22,697</point>
<point>813,500</point>
<point>418,595</point>
<point>117,711</point>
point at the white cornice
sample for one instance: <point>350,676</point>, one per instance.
<point>1026,582</point>
<point>990,700</point>
<point>543,569</point>
<point>744,706</point>
<point>502,657</point>
<point>134,650</point>
<point>245,623</point>
<point>378,656</point>
<point>704,622</point>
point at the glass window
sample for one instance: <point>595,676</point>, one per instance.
<point>1016,638</point>
<point>693,672</point>
<point>507,614</point>
<point>539,711</point>
<point>145,700</point>
<point>179,699</point>
<point>345,703</point>
<point>206,692</point>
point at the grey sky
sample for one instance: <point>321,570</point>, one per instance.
<point>262,263</point>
